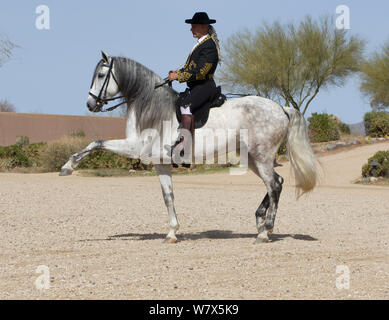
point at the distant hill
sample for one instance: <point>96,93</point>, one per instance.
<point>357,128</point>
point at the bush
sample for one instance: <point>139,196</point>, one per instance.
<point>342,127</point>
<point>22,141</point>
<point>57,153</point>
<point>323,127</point>
<point>108,160</point>
<point>20,156</point>
<point>379,127</point>
<point>376,124</point>
<point>366,121</point>
<point>77,134</point>
<point>382,157</point>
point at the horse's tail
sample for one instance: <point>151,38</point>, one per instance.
<point>301,156</point>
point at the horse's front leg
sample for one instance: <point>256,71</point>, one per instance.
<point>165,178</point>
<point>121,146</point>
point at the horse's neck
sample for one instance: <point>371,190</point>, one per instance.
<point>133,134</point>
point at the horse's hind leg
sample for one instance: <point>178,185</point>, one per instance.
<point>276,188</point>
<point>260,214</point>
<point>266,212</point>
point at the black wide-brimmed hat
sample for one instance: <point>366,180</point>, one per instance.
<point>200,18</point>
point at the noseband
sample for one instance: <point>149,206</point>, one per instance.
<point>102,99</point>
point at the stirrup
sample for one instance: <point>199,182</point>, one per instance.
<point>182,153</point>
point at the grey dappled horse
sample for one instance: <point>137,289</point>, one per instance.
<point>151,115</point>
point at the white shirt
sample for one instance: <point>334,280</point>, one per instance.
<point>199,41</point>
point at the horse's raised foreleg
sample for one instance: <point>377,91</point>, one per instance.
<point>165,178</point>
<point>121,146</point>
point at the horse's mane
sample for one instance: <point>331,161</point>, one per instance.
<point>137,84</point>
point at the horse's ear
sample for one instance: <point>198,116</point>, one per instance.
<point>105,56</point>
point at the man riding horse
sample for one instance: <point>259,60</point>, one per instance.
<point>198,73</point>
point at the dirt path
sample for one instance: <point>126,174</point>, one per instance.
<point>103,237</point>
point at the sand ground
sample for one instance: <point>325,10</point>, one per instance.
<point>102,238</point>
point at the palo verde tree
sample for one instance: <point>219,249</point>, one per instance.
<point>375,79</point>
<point>291,63</point>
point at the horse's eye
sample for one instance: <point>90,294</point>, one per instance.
<point>100,75</point>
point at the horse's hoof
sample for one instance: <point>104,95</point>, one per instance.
<point>170,240</point>
<point>65,172</point>
<point>260,240</point>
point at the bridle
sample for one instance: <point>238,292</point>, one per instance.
<point>102,99</point>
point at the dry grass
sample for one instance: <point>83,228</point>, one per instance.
<point>57,153</point>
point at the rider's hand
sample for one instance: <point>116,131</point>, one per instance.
<point>173,75</point>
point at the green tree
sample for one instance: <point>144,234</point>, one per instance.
<point>291,63</point>
<point>375,79</point>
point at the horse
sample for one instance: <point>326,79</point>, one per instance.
<point>151,108</point>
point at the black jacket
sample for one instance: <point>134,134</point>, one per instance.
<point>201,63</point>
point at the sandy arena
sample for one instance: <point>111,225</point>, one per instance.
<point>102,238</point>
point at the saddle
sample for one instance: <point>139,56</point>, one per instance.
<point>201,114</point>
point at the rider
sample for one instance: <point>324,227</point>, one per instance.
<point>197,72</point>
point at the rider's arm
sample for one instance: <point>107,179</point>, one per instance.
<point>198,70</point>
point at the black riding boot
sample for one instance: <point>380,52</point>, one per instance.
<point>182,144</point>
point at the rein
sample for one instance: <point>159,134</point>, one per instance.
<point>166,81</point>
<point>101,99</point>
<point>238,95</point>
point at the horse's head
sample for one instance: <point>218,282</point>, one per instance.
<point>104,85</point>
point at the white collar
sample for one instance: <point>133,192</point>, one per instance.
<point>199,41</point>
<point>202,38</point>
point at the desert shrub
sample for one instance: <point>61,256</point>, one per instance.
<point>366,121</point>
<point>376,124</point>
<point>15,156</point>
<point>382,157</point>
<point>379,126</point>
<point>77,134</point>
<point>323,127</point>
<point>108,160</point>
<point>20,156</point>
<point>57,153</point>
<point>5,164</point>
<point>22,141</point>
<point>344,128</point>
